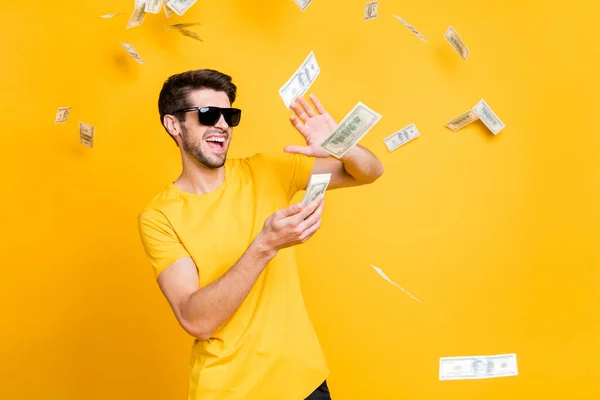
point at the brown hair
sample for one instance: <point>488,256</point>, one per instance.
<point>174,93</point>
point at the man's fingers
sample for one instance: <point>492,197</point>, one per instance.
<point>310,208</point>
<point>318,104</point>
<point>299,110</point>
<point>290,211</point>
<point>314,217</point>
<point>307,108</point>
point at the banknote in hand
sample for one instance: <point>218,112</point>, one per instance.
<point>317,185</point>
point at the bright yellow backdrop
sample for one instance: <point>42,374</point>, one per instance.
<point>497,235</point>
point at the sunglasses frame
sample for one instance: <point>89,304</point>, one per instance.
<point>221,109</point>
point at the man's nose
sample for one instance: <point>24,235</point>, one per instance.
<point>221,124</point>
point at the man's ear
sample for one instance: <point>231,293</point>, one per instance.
<point>172,125</point>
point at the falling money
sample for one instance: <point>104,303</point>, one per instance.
<point>86,135</point>
<point>185,32</point>
<point>303,4</point>
<point>350,130</point>
<point>131,50</point>
<point>456,42</point>
<point>168,11</point>
<point>413,30</point>
<point>316,186</point>
<point>107,16</point>
<point>401,137</point>
<point>384,276</point>
<point>62,114</point>
<point>180,6</point>
<point>478,367</point>
<point>302,79</point>
<point>371,10</point>
<point>153,6</point>
<point>485,113</point>
<point>137,17</point>
<point>463,120</point>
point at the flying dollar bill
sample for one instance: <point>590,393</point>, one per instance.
<point>62,114</point>
<point>86,135</point>
<point>168,11</point>
<point>302,79</point>
<point>131,51</point>
<point>478,367</point>
<point>107,16</point>
<point>462,120</point>
<point>316,186</point>
<point>401,137</point>
<point>371,10</point>
<point>303,4</point>
<point>456,42</point>
<point>413,30</point>
<point>153,6</point>
<point>137,17</point>
<point>191,34</point>
<point>180,6</point>
<point>485,113</point>
<point>350,130</point>
<point>384,276</point>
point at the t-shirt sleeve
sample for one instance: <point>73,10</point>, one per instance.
<point>160,242</point>
<point>291,170</point>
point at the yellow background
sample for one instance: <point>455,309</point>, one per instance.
<point>496,235</point>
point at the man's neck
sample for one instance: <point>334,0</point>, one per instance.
<point>198,179</point>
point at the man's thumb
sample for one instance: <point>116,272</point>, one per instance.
<point>291,210</point>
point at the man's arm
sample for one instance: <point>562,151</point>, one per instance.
<point>357,167</point>
<point>200,311</point>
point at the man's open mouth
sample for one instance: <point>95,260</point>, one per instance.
<point>216,143</point>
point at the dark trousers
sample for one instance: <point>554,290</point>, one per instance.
<point>322,393</point>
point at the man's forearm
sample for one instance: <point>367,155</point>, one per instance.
<point>210,306</point>
<point>361,164</point>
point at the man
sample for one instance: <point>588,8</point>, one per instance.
<point>220,240</point>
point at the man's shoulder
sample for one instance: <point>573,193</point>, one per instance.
<point>162,201</point>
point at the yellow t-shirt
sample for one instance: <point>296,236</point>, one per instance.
<point>268,349</point>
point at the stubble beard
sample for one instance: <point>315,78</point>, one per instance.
<point>194,149</point>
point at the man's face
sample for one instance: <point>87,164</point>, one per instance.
<point>207,144</point>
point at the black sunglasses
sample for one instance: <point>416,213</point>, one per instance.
<point>210,115</point>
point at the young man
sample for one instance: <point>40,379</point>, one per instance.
<point>220,241</point>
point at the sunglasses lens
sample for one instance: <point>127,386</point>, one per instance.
<point>209,115</point>
<point>232,117</point>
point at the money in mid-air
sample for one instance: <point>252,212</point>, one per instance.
<point>182,28</point>
<point>62,114</point>
<point>350,130</point>
<point>462,120</point>
<point>131,51</point>
<point>180,6</point>
<point>371,10</point>
<point>302,79</point>
<point>413,30</point>
<point>401,137</point>
<point>86,135</point>
<point>303,4</point>
<point>107,16</point>
<point>384,276</point>
<point>316,186</point>
<point>456,42</point>
<point>137,17</point>
<point>485,113</point>
<point>478,367</point>
<point>191,34</point>
<point>168,11</point>
<point>153,6</point>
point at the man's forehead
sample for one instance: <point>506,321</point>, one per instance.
<point>208,97</point>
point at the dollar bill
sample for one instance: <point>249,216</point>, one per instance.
<point>316,186</point>
<point>485,113</point>
<point>302,79</point>
<point>371,10</point>
<point>401,137</point>
<point>350,130</point>
<point>463,120</point>
<point>86,135</point>
<point>191,34</point>
<point>413,30</point>
<point>131,51</point>
<point>137,17</point>
<point>153,6</point>
<point>303,4</point>
<point>478,367</point>
<point>62,114</point>
<point>107,16</point>
<point>182,25</point>
<point>384,276</point>
<point>168,11</point>
<point>456,42</point>
<point>180,6</point>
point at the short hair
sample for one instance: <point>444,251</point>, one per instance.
<point>174,93</point>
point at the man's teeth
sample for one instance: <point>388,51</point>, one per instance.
<point>215,139</point>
